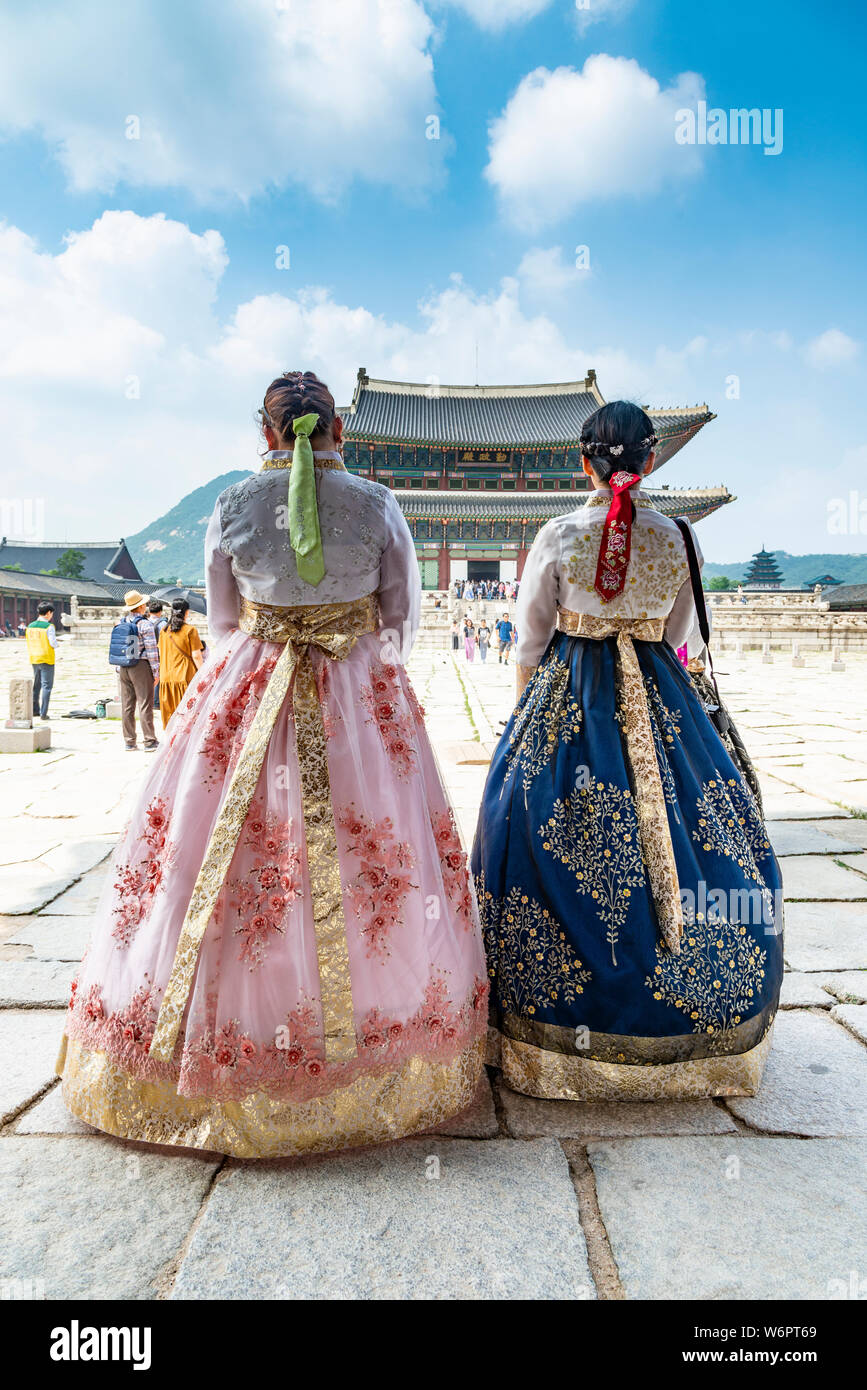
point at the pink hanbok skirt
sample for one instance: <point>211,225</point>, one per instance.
<point>249,1069</point>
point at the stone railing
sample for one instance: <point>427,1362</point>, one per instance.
<point>91,624</point>
<point>775,621</point>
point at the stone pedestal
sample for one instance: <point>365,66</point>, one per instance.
<point>25,740</point>
<point>767,657</point>
<point>837,664</point>
<point>20,703</point>
<point>797,659</point>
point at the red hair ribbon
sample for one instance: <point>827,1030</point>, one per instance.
<point>616,543</point>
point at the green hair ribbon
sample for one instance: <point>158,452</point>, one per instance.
<point>304,534</point>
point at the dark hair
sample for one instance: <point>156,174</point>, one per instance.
<point>180,607</point>
<point>44,607</point>
<point>155,605</point>
<point>619,426</point>
<point>294,394</point>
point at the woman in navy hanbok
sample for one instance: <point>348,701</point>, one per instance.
<point>629,895</point>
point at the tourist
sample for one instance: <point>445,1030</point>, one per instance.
<point>504,633</point>
<point>484,639</point>
<point>180,658</point>
<point>456,635</point>
<point>287,958</point>
<point>41,645</point>
<point>155,614</point>
<point>133,650</point>
<point>469,638</point>
<point>22,627</point>
<point>628,890</point>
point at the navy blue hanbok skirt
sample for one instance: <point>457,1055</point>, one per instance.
<point>591,996</point>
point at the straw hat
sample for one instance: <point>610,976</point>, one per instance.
<point>133,599</point>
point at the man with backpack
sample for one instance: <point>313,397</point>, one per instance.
<point>133,650</point>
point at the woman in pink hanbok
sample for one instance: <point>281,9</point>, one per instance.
<point>287,954</point>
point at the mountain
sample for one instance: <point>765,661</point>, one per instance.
<point>172,548</point>
<point>799,570</point>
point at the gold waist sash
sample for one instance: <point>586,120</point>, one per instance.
<point>333,628</point>
<point>653,827</point>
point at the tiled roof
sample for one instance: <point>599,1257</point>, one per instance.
<point>490,416</point>
<point>46,586</point>
<point>847,597</point>
<point>542,506</point>
<point>100,559</point>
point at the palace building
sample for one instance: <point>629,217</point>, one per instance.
<point>479,469</point>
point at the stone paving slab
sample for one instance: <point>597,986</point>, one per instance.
<point>848,986</point>
<point>826,936</point>
<point>55,938</point>
<point>526,1117</point>
<point>807,877</point>
<point>35,983</point>
<point>733,1217</point>
<point>815,1081</point>
<point>25,888</point>
<point>802,991</point>
<point>854,830</point>
<point>94,1218</point>
<point>82,899</point>
<point>853,1017</point>
<point>807,837</point>
<point>783,802</point>
<point>29,1044</point>
<point>50,1116</point>
<point>499,1222</point>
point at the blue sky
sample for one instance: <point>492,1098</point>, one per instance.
<point>143,312</point>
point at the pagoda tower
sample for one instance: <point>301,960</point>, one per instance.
<point>477,470</point>
<point>764,572</point>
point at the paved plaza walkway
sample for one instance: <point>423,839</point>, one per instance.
<point>746,1198</point>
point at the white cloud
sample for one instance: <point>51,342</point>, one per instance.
<point>132,300</point>
<point>832,348</point>
<point>134,297</point>
<point>592,11</point>
<point>567,137</point>
<point>231,98</point>
<point>546,273</point>
<point>498,14</point>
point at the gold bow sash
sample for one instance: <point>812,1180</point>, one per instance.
<point>653,826</point>
<point>333,629</point>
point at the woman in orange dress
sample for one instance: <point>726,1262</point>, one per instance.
<point>180,658</point>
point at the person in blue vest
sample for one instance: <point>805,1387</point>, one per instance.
<point>41,642</point>
<point>505,630</point>
<point>133,650</point>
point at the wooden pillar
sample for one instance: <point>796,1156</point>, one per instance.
<point>443,560</point>
<point>523,552</point>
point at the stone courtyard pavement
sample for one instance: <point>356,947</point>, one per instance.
<point>746,1198</point>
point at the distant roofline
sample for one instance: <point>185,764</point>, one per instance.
<point>63,545</point>
<point>586,385</point>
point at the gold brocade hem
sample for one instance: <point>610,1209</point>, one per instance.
<point>415,1097</point>
<point>632,1050</point>
<point>556,1076</point>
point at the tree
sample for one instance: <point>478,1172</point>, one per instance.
<point>70,564</point>
<point>720,582</point>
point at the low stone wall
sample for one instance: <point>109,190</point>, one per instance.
<point>777,621</point>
